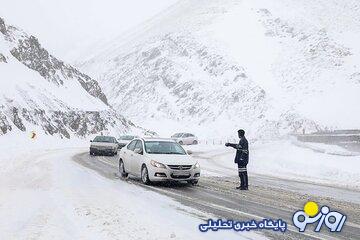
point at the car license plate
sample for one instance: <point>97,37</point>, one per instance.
<point>181,173</point>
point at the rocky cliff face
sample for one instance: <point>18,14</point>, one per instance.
<point>62,123</point>
<point>37,90</point>
<point>28,51</point>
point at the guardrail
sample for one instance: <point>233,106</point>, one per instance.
<point>330,138</point>
<point>349,139</point>
<point>217,141</point>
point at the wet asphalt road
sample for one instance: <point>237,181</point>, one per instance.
<point>217,197</point>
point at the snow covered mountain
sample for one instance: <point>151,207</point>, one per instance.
<point>212,66</point>
<point>40,92</point>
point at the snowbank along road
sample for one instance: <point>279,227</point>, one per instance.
<point>269,197</point>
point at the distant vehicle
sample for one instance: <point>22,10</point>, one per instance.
<point>123,140</point>
<point>106,145</point>
<point>156,159</point>
<point>185,138</point>
<point>149,133</point>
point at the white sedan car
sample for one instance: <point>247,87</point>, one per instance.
<point>185,138</point>
<point>155,160</point>
<point>123,140</point>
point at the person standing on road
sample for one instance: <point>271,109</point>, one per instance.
<point>241,158</point>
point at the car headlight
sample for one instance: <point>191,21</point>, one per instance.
<point>157,164</point>
<point>197,165</point>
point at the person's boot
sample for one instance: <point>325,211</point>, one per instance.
<point>241,175</point>
<point>246,181</point>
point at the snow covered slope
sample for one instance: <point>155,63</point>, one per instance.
<point>212,66</point>
<point>39,91</point>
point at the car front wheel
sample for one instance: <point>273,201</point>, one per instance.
<point>145,175</point>
<point>122,172</point>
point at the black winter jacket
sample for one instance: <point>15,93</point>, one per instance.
<point>242,151</point>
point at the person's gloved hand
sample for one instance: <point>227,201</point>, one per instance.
<point>227,144</point>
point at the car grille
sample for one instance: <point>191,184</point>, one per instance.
<point>180,176</point>
<point>104,147</point>
<point>180,167</point>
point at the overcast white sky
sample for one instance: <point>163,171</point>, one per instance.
<point>68,27</point>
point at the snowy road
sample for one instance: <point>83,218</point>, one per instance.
<point>216,195</point>
<point>45,195</point>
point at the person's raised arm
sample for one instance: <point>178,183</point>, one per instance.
<point>233,145</point>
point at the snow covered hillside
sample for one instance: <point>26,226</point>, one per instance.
<point>212,66</point>
<point>40,92</point>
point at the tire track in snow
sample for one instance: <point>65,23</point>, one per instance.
<point>216,196</point>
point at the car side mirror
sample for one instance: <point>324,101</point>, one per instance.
<point>91,140</point>
<point>189,152</point>
<point>138,150</point>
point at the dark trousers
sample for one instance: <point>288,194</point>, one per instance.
<point>243,176</point>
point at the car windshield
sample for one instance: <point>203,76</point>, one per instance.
<point>162,147</point>
<point>103,139</point>
<point>177,135</point>
<point>127,137</point>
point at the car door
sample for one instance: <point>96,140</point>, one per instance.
<point>116,143</point>
<point>113,142</point>
<point>128,155</point>
<point>137,158</point>
<point>191,138</point>
<point>186,138</point>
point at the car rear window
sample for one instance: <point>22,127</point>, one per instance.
<point>177,135</point>
<point>127,137</point>
<point>103,139</point>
